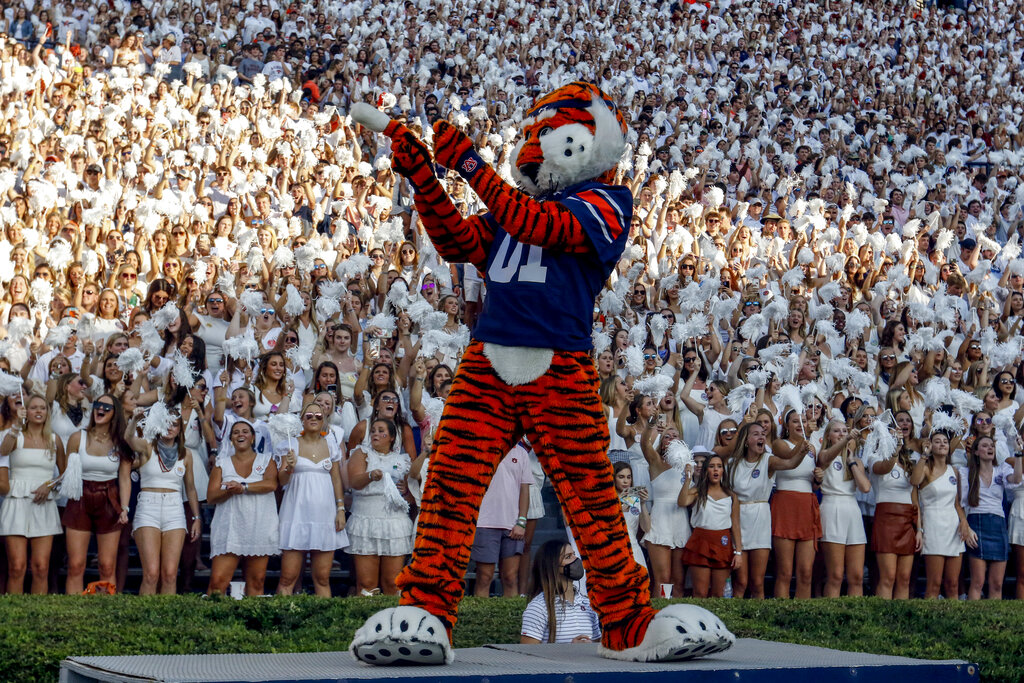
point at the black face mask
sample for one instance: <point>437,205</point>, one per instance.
<point>574,570</point>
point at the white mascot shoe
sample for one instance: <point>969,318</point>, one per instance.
<point>677,632</point>
<point>402,636</point>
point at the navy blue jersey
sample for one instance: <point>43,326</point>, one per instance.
<point>544,298</point>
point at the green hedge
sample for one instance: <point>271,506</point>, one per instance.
<point>36,633</point>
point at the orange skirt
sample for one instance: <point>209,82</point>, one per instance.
<point>795,516</point>
<point>895,529</point>
<point>709,548</point>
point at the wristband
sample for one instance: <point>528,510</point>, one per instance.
<point>521,525</point>
<point>737,552</point>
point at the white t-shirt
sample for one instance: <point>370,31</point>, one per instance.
<point>500,506</point>
<point>990,498</point>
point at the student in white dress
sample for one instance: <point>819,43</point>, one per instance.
<point>670,522</point>
<point>312,515</point>
<point>29,518</point>
<point>634,508</point>
<point>379,530</point>
<point>843,538</point>
<point>943,522</point>
<point>245,524</point>
<point>165,472</point>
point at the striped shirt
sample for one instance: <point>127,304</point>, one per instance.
<point>577,619</point>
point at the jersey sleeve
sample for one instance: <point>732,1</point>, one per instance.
<point>605,212</point>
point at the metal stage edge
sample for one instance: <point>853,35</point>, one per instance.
<point>749,661</point>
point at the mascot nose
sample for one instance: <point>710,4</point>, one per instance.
<point>530,170</point>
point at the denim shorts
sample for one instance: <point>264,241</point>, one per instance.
<point>993,538</point>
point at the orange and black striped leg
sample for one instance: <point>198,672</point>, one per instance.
<point>566,424</point>
<point>477,429</point>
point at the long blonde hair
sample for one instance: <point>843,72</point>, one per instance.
<point>48,437</point>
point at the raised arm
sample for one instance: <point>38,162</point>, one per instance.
<point>458,239</point>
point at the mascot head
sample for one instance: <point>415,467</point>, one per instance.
<point>570,135</point>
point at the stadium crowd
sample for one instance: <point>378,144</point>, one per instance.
<point>215,296</point>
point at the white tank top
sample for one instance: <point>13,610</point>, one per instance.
<point>713,515</point>
<point>153,476</point>
<point>97,467</point>
<point>892,487</point>
<point>799,478</point>
<point>835,482</point>
<point>750,481</point>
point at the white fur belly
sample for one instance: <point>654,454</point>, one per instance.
<point>517,365</point>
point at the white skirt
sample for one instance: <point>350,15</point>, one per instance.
<point>375,529</point>
<point>245,525</point>
<point>756,526</point>
<point>841,521</point>
<point>22,517</point>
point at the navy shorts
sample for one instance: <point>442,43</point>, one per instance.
<point>492,545</point>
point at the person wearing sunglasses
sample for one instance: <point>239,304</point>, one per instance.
<point>159,527</point>
<point>245,524</point>
<point>312,514</point>
<point>211,322</point>
<point>98,486</point>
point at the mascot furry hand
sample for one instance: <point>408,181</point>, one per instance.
<point>546,250</point>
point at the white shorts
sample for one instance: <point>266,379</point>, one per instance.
<point>472,291</point>
<point>841,521</point>
<point>163,511</point>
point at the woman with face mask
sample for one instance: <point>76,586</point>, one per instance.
<point>558,613</point>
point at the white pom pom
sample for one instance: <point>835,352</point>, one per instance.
<point>165,316</point>
<point>158,421</point>
<point>131,361</point>
<point>294,305</point>
<point>678,455</point>
<point>634,360</point>
<point>182,371</point>
<point>9,384</point>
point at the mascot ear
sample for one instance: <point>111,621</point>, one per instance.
<point>371,117</point>
<point>609,133</point>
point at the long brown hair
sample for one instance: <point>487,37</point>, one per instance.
<point>547,565</point>
<point>974,472</point>
<point>703,483</point>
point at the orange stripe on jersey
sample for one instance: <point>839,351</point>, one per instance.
<point>608,212</point>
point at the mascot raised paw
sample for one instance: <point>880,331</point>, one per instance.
<point>546,249</point>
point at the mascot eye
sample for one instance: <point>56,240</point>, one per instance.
<point>544,131</point>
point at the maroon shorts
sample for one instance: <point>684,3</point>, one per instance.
<point>97,510</point>
<point>795,516</point>
<point>895,529</point>
<point>709,548</point>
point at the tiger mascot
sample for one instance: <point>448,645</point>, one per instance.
<point>546,250</point>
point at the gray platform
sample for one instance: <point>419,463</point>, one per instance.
<point>749,661</point>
